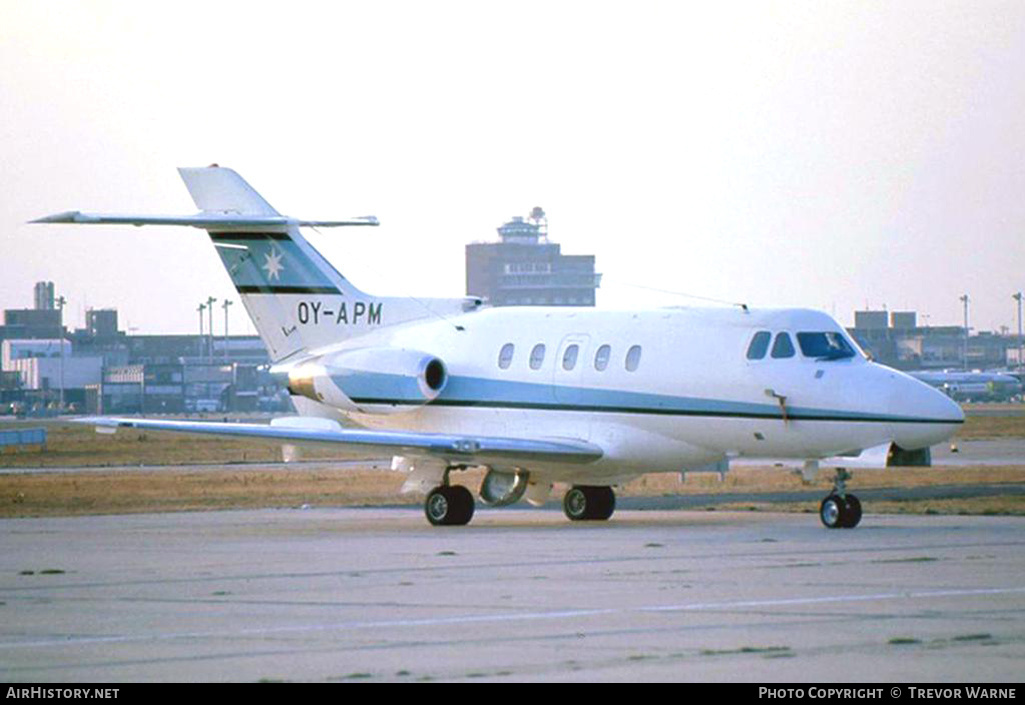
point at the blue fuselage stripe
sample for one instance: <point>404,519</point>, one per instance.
<point>471,392</point>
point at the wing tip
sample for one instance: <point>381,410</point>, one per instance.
<point>64,217</point>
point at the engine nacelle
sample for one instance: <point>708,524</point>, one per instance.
<point>370,380</point>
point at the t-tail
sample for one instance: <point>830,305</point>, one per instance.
<point>295,298</point>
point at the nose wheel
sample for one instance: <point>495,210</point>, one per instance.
<point>840,510</point>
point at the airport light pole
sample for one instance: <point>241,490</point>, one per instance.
<point>199,356</point>
<point>61,301</point>
<point>225,305</point>
<point>210,333</point>
<point>964,300</point>
<point>1021,345</point>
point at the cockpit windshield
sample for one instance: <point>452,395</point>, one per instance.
<point>828,345</point>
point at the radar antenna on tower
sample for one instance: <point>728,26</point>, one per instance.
<point>540,219</point>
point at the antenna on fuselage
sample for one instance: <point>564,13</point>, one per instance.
<point>740,304</point>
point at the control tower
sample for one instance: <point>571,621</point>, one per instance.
<point>524,268</point>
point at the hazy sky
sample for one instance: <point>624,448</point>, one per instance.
<point>834,155</point>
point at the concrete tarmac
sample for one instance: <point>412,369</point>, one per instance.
<point>377,594</point>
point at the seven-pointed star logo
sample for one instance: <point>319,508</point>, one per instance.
<point>273,267</point>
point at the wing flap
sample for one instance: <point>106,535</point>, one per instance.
<point>452,448</point>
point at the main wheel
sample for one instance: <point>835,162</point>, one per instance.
<point>603,503</point>
<point>852,512</point>
<point>449,505</point>
<point>833,512</point>
<point>586,503</point>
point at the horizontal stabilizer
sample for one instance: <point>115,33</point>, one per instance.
<point>199,220</point>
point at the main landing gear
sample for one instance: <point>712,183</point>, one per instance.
<point>449,505</point>
<point>587,503</point>
<point>840,510</point>
<point>453,505</point>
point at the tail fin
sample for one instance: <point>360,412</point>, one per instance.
<point>219,190</point>
<point>296,299</point>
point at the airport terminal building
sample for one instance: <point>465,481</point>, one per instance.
<point>100,369</point>
<point>895,338</point>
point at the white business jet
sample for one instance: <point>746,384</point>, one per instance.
<point>538,396</point>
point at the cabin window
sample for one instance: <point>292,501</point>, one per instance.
<point>829,345</point>
<point>505,356</point>
<point>601,358</point>
<point>783,347</point>
<point>759,345</point>
<point>569,358</point>
<point>537,356</point>
<point>633,358</point>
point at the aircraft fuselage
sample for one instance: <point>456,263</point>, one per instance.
<point>658,390</point>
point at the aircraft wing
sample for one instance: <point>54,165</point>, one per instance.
<point>358,442</point>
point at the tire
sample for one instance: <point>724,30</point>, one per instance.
<point>575,504</point>
<point>603,503</point>
<point>449,506</point>
<point>586,503</point>
<point>833,512</point>
<point>464,505</point>
<point>852,512</point>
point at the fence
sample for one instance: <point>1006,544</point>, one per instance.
<point>16,438</point>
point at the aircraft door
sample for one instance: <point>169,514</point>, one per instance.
<point>770,378</point>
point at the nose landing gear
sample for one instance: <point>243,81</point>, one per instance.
<point>840,510</point>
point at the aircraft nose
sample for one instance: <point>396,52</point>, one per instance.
<point>923,415</point>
